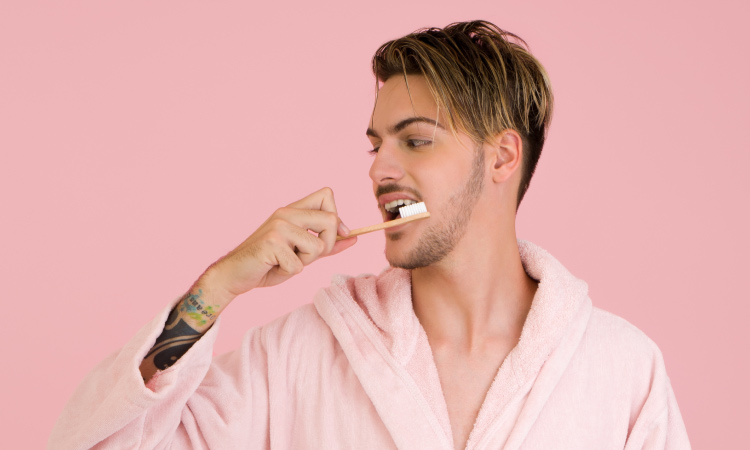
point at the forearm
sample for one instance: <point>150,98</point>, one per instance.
<point>275,252</point>
<point>112,409</point>
<point>193,315</point>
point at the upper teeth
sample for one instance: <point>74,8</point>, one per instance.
<point>393,206</point>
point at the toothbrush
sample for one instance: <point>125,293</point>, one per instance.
<point>408,213</point>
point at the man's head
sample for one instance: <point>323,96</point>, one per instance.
<point>478,89</point>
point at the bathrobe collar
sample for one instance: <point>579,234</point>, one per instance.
<point>374,322</point>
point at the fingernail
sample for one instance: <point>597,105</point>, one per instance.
<point>343,229</point>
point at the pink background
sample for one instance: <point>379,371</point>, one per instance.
<point>141,143</point>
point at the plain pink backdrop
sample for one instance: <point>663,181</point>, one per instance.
<point>142,142</point>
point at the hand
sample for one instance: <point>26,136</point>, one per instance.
<point>282,246</point>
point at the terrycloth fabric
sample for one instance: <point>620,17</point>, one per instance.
<point>355,370</point>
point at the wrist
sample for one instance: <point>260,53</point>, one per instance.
<point>210,283</point>
<point>202,303</point>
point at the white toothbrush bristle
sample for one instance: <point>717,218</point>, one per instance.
<point>413,209</point>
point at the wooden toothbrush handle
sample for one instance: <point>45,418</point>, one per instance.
<point>384,225</point>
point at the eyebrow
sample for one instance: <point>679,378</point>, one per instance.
<point>405,123</point>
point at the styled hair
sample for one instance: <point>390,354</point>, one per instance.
<point>484,78</point>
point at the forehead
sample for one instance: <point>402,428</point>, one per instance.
<point>396,102</point>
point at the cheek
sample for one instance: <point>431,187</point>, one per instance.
<point>441,178</point>
<point>447,189</point>
<point>450,163</point>
<point>437,194</point>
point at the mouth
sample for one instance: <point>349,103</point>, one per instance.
<point>392,208</point>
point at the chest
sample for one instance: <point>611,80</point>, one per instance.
<point>465,380</point>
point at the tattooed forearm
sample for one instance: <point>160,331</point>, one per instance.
<point>184,326</point>
<point>194,306</point>
<point>175,340</point>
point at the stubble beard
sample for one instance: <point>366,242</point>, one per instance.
<point>440,239</point>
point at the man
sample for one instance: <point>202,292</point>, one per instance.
<point>471,339</point>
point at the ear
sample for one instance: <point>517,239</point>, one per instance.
<point>506,150</point>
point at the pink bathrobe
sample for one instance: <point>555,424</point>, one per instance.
<point>354,370</point>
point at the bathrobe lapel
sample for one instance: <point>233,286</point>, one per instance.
<point>553,329</point>
<point>374,322</point>
<point>509,428</point>
<point>393,392</point>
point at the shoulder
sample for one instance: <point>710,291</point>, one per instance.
<point>610,334</point>
<point>305,319</point>
<point>602,320</point>
<point>304,322</point>
<point>304,329</point>
<point>630,363</point>
<point>616,333</point>
<point>623,354</point>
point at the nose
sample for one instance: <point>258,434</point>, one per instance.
<point>386,167</point>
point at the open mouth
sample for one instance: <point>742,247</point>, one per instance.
<point>392,208</point>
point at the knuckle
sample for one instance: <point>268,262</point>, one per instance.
<point>280,212</point>
<point>286,260</point>
<point>274,238</point>
<point>277,224</point>
<point>272,234</point>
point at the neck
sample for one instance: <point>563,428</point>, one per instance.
<point>477,294</point>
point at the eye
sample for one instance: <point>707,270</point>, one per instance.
<point>373,151</point>
<point>413,143</point>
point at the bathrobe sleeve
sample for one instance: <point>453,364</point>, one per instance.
<point>659,424</point>
<point>199,402</point>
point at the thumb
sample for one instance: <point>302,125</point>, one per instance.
<point>342,245</point>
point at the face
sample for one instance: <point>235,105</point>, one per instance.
<point>417,158</point>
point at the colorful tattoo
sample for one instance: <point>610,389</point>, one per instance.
<point>196,308</point>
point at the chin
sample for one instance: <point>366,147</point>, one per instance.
<point>399,253</point>
<point>399,262</point>
<point>395,249</point>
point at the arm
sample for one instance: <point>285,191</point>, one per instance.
<point>187,395</point>
<point>193,315</point>
<point>659,425</point>
<point>277,251</point>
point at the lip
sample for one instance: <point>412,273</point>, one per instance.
<point>397,228</point>
<point>387,198</point>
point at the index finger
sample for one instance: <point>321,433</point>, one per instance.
<point>321,200</point>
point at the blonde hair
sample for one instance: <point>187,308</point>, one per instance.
<point>483,77</point>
